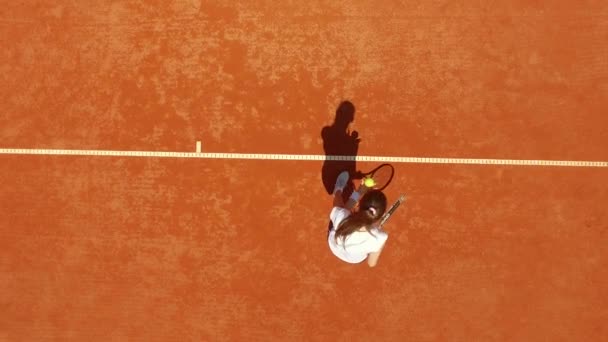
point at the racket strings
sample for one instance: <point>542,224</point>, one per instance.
<point>382,176</point>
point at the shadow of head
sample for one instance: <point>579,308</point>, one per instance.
<point>345,114</point>
<point>338,140</point>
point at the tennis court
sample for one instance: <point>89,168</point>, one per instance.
<point>116,225</point>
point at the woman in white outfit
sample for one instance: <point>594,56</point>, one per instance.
<point>354,237</point>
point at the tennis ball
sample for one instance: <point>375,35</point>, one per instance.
<point>369,182</point>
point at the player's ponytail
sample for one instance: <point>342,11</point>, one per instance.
<point>371,209</point>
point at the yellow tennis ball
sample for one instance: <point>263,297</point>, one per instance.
<point>369,182</point>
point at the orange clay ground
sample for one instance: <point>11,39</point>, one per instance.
<point>162,249</point>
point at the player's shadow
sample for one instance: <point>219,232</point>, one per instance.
<point>338,140</point>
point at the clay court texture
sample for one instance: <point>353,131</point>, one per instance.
<point>115,225</point>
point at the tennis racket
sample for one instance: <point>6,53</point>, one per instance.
<point>391,211</point>
<point>382,176</point>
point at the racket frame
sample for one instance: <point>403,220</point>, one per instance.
<point>371,173</point>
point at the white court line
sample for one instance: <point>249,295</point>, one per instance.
<point>303,157</point>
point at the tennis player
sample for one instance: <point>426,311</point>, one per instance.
<point>353,237</point>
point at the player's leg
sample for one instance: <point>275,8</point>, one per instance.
<point>339,187</point>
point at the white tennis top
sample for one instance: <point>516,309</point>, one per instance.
<point>355,248</point>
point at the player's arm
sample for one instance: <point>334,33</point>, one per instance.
<point>372,258</point>
<point>354,198</point>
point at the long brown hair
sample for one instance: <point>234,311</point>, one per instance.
<point>371,209</point>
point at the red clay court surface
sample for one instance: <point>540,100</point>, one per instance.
<point>158,249</point>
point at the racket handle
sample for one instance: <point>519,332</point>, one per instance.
<point>391,210</point>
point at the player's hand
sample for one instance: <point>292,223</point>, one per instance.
<point>355,136</point>
<point>363,188</point>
